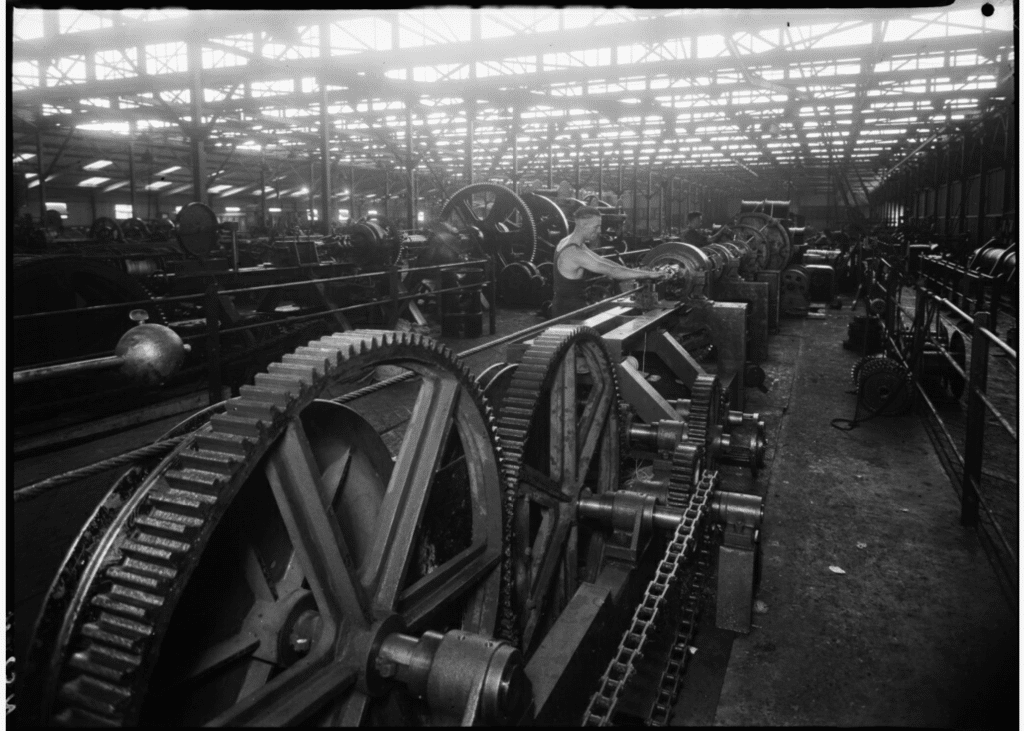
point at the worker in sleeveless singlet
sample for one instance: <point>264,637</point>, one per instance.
<point>573,259</point>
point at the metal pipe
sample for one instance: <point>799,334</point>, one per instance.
<point>997,342</point>
<point>83,366</point>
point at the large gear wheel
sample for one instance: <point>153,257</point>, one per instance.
<point>704,423</point>
<point>884,387</point>
<point>266,542</point>
<point>558,427</point>
<point>497,219</point>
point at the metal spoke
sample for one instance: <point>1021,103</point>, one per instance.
<point>230,650</point>
<point>499,211</point>
<point>314,533</point>
<point>291,697</point>
<point>592,424</point>
<point>465,209</point>
<point>441,585</point>
<point>426,437</point>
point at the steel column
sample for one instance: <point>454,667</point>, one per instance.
<point>650,181</point>
<point>263,189</point>
<point>600,173</point>
<point>975,422</point>
<point>962,221</point>
<point>352,191</point>
<point>196,132</point>
<point>948,152</point>
<point>982,186</point>
<point>41,172</point>
<point>470,139</point>
<point>410,165</point>
<point>312,201</point>
<point>515,150</point>
<point>131,177</point>
<point>551,155</point>
<point>636,193</point>
<point>325,162</point>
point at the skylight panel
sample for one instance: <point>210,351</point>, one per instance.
<point>92,182</point>
<point>98,165</point>
<point>158,185</point>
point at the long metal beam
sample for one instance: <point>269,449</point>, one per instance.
<point>649,30</point>
<point>365,83</point>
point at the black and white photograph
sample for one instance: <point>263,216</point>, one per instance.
<point>512,365</point>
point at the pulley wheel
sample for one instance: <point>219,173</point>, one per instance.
<point>515,284</point>
<point>106,230</point>
<point>197,229</point>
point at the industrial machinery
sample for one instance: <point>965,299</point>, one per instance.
<point>287,564</point>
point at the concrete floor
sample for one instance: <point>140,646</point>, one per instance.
<point>915,632</point>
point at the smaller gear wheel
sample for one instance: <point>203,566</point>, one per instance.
<point>705,402</point>
<point>687,469</point>
<point>884,387</point>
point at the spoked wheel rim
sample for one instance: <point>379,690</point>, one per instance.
<point>501,218</point>
<point>559,429</point>
<point>779,247</point>
<point>368,552</point>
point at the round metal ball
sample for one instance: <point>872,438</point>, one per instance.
<point>152,353</point>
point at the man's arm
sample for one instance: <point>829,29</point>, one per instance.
<point>587,259</point>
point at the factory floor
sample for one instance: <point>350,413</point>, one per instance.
<point>913,631</point>
<point>879,609</point>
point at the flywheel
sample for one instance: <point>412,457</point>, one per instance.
<point>497,219</point>
<point>558,425</point>
<point>227,585</point>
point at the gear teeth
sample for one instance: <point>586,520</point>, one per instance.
<point>239,426</point>
<point>704,407</point>
<point>129,599</point>
<point>533,376</point>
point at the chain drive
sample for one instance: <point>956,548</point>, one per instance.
<point>625,663</point>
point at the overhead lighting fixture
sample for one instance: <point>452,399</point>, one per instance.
<point>115,186</point>
<point>92,182</point>
<point>217,189</point>
<point>98,165</point>
<point>274,210</point>
<point>232,209</point>
<point>173,168</point>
